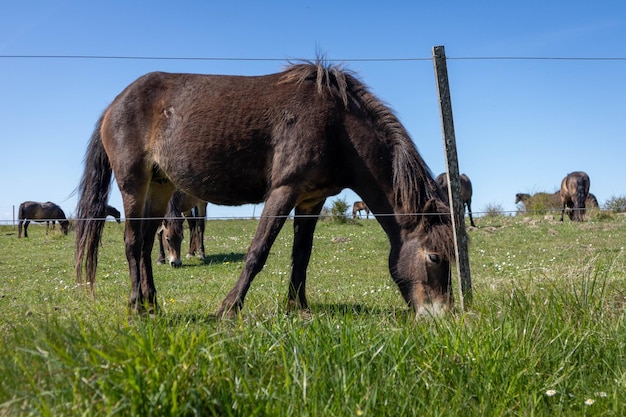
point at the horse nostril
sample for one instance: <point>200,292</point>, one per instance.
<point>176,264</point>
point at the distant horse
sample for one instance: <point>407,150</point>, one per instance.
<point>170,233</point>
<point>40,212</point>
<point>115,213</point>
<point>591,201</point>
<point>357,207</point>
<point>289,139</point>
<point>522,198</point>
<point>466,192</point>
<point>574,192</point>
<point>540,202</point>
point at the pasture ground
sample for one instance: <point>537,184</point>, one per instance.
<point>545,335</point>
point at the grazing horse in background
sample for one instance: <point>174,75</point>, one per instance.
<point>522,198</point>
<point>357,207</point>
<point>40,212</point>
<point>591,201</point>
<point>115,213</point>
<point>466,192</point>
<point>289,139</point>
<point>539,202</point>
<point>574,192</point>
<point>170,233</point>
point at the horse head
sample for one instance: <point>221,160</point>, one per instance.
<point>65,225</point>
<point>170,234</point>
<point>423,265</point>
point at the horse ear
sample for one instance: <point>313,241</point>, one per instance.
<point>432,213</point>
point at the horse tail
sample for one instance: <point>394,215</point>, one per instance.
<point>20,219</point>
<point>579,198</point>
<point>93,192</point>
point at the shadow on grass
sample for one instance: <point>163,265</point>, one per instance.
<point>216,259</point>
<point>315,310</point>
<point>221,258</point>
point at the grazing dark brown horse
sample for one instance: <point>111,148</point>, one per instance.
<point>357,207</point>
<point>40,212</point>
<point>115,213</point>
<point>170,234</point>
<point>289,139</point>
<point>466,192</point>
<point>574,192</point>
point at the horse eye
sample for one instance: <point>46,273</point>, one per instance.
<point>434,258</point>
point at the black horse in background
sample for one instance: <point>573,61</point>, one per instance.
<point>40,212</point>
<point>466,192</point>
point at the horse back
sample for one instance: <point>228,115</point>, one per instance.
<point>189,128</point>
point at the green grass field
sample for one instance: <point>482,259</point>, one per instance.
<point>545,334</point>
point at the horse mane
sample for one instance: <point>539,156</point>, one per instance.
<point>413,181</point>
<point>173,217</point>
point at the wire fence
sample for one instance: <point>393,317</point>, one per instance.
<point>320,216</point>
<point>272,59</point>
<point>14,221</point>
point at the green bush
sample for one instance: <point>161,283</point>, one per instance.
<point>616,204</point>
<point>493,210</point>
<point>339,210</point>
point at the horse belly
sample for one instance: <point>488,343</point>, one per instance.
<point>219,176</point>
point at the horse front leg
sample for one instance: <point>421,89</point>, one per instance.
<point>133,241</point>
<point>277,208</point>
<point>148,289</point>
<point>200,228</point>
<point>303,229</point>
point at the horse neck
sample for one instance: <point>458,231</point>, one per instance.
<point>59,214</point>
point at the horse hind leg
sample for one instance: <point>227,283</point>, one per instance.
<point>303,228</point>
<point>143,217</point>
<point>469,211</point>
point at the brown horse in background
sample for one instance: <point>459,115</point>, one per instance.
<point>357,207</point>
<point>466,192</point>
<point>540,202</point>
<point>40,212</point>
<point>113,212</point>
<point>170,234</point>
<point>591,201</point>
<point>290,140</point>
<point>574,192</point>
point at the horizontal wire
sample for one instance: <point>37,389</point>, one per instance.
<point>190,58</point>
<point>302,216</point>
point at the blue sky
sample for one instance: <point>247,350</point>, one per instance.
<point>521,124</point>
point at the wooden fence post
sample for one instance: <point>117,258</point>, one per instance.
<point>454,182</point>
